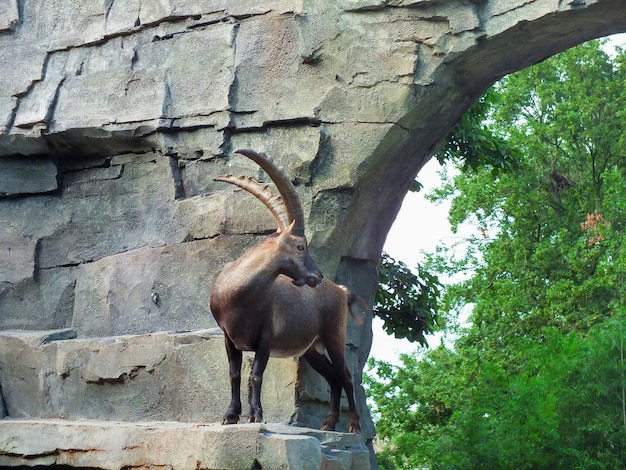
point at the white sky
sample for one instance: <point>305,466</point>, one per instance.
<point>419,226</point>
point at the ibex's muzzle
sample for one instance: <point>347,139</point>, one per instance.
<point>314,281</point>
<point>311,280</point>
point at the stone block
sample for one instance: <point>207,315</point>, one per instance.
<point>294,148</point>
<point>115,445</point>
<point>3,408</point>
<point>191,141</point>
<point>265,57</point>
<point>297,452</point>
<point>24,73</point>
<point>38,105</point>
<point>27,176</point>
<point>46,302</point>
<point>159,376</point>
<point>17,252</point>
<point>154,82</point>
<point>107,214</point>
<point>68,24</point>
<point>177,446</point>
<point>340,451</point>
<point>122,17</point>
<point>152,288</point>
<point>186,57</point>
<point>9,15</point>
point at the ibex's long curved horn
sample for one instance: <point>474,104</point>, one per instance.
<point>283,184</point>
<point>273,202</point>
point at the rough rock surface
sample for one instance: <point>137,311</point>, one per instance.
<point>115,117</point>
<point>157,376</point>
<point>176,446</point>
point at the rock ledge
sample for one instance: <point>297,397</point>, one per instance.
<point>111,445</point>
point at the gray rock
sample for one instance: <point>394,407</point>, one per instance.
<point>44,303</point>
<point>27,176</point>
<point>3,408</point>
<point>9,15</point>
<point>158,376</point>
<point>179,446</point>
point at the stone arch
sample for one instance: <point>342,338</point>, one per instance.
<point>388,171</point>
<point>457,82</point>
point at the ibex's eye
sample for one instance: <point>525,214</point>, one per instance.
<point>300,247</point>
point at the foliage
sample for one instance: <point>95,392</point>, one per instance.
<point>536,380</point>
<point>477,145</point>
<point>556,223</point>
<point>406,302</point>
<point>563,408</point>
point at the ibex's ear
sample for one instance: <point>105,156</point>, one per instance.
<point>288,230</point>
<point>291,226</point>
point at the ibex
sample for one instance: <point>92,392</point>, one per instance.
<point>273,300</point>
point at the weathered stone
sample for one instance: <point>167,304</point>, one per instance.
<point>186,143</point>
<point>146,290</point>
<point>44,303</point>
<point>159,376</point>
<point>178,446</point>
<point>27,176</point>
<point>3,408</point>
<point>39,104</point>
<point>9,15</point>
<point>17,250</point>
<point>265,53</point>
<point>339,450</point>
<point>294,148</point>
<point>298,452</point>
<point>202,217</point>
<point>24,73</point>
<point>107,215</point>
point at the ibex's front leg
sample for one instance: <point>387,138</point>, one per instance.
<point>256,377</point>
<point>234,370</point>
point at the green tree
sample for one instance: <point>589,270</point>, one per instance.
<point>406,301</point>
<point>562,409</point>
<point>537,378</point>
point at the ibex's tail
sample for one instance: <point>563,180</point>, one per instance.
<point>355,300</point>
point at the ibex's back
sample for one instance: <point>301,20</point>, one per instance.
<point>273,300</point>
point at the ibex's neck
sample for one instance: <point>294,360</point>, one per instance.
<point>253,274</point>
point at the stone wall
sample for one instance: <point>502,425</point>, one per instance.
<point>115,117</point>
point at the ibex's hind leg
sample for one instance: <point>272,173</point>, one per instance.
<point>234,371</point>
<point>323,366</point>
<point>336,354</point>
<point>355,420</point>
<point>259,364</point>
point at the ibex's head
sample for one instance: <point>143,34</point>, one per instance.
<point>287,210</point>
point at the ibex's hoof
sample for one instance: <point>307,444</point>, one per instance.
<point>230,419</point>
<point>255,419</point>
<point>355,428</point>
<point>328,426</point>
